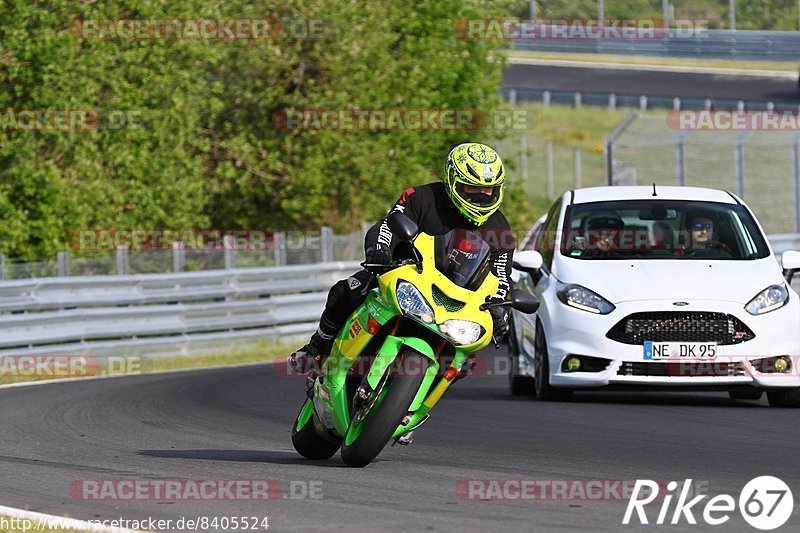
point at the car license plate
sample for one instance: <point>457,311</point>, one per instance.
<point>679,350</point>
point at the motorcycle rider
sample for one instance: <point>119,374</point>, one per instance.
<point>468,197</point>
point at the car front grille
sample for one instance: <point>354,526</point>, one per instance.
<point>702,369</point>
<point>450,304</point>
<point>688,326</point>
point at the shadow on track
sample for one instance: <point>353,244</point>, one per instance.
<point>241,456</point>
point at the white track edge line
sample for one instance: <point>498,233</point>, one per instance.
<point>46,520</point>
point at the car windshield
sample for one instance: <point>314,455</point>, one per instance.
<point>462,256</point>
<point>661,229</point>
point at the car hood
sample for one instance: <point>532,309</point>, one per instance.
<point>678,280</point>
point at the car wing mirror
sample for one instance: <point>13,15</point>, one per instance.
<point>790,260</point>
<point>528,261</point>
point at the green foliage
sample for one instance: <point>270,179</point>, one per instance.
<point>206,150</point>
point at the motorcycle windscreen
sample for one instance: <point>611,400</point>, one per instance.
<point>462,256</point>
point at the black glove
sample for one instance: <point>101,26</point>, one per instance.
<point>499,321</point>
<point>378,255</point>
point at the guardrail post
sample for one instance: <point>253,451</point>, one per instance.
<point>676,104</point>
<point>577,100</point>
<point>707,104</point>
<point>612,101</point>
<point>63,264</point>
<point>279,242</point>
<point>770,106</point>
<point>740,106</point>
<point>122,260</point>
<point>550,187</point>
<point>229,251</point>
<point>178,256</point>
<point>326,243</point>
<point>680,163</point>
<point>2,266</point>
<point>546,98</point>
<point>512,96</point>
<point>643,103</point>
<point>578,170</point>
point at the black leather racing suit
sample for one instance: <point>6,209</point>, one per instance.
<point>434,213</point>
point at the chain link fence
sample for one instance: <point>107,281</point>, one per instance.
<point>762,167</point>
<point>546,168</point>
<point>283,248</point>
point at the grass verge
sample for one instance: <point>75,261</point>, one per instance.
<point>13,370</point>
<point>782,66</point>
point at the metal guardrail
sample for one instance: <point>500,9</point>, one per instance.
<point>162,314</point>
<point>707,44</point>
<point>174,314</point>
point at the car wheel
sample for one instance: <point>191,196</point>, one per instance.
<point>784,398</point>
<point>541,365</point>
<point>754,394</point>
<point>520,385</point>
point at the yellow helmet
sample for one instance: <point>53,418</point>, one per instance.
<point>474,177</point>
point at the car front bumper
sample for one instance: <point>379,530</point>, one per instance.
<point>575,332</point>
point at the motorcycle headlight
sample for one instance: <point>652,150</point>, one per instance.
<point>582,298</point>
<point>461,332</point>
<point>413,303</point>
<point>769,299</point>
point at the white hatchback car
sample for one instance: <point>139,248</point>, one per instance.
<point>656,286</point>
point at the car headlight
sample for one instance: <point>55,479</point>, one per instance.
<point>461,332</point>
<point>582,298</point>
<point>769,299</point>
<point>413,303</point>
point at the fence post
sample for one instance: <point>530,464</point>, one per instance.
<point>512,96</point>
<point>578,170</point>
<point>326,244</point>
<point>229,251</point>
<point>63,264</point>
<point>643,103</point>
<point>770,106</point>
<point>740,106</point>
<point>676,104</point>
<point>546,98</point>
<point>178,256</point>
<point>122,260</point>
<point>550,188</point>
<point>279,241</point>
<point>523,158</point>
<point>680,163</point>
<point>577,100</point>
<point>707,104</point>
<point>796,175</point>
<point>738,164</point>
<point>2,266</point>
<point>612,101</point>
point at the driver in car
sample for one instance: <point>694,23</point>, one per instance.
<point>704,245</point>
<point>468,197</point>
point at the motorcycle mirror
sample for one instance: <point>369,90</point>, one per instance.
<point>524,302</point>
<point>402,227</point>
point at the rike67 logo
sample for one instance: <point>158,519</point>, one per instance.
<point>765,503</point>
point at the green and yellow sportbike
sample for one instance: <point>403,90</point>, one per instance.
<point>403,347</point>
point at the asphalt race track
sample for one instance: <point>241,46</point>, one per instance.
<point>669,84</point>
<point>235,424</point>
